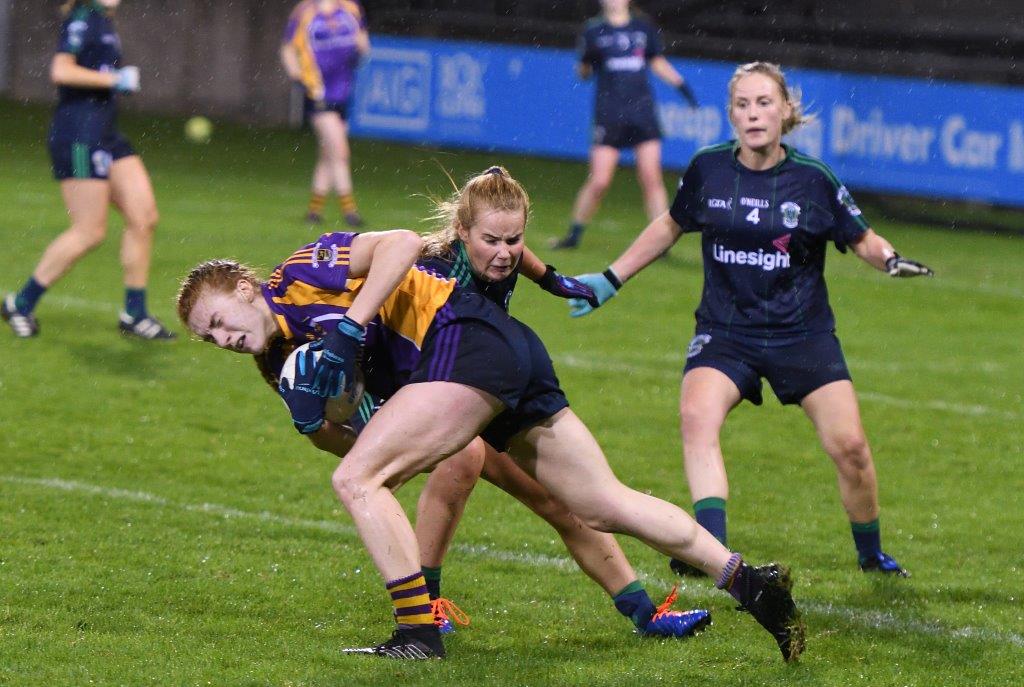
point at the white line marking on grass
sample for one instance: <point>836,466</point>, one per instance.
<point>878,620</point>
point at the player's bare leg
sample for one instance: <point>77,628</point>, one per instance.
<point>87,201</point>
<point>650,178</point>
<point>565,458</point>
<point>835,413</point>
<point>335,153</point>
<point>604,160</point>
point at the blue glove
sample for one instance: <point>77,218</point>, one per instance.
<point>127,80</point>
<point>605,285</point>
<point>306,407</point>
<point>566,287</point>
<point>687,93</point>
<point>342,350</point>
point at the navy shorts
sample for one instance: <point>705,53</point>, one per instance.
<point>794,369</point>
<point>88,160</point>
<point>475,343</point>
<point>312,107</point>
<point>626,132</point>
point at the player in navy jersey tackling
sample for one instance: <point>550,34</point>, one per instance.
<point>619,46</point>
<point>96,166</point>
<point>766,213</point>
<point>465,368</point>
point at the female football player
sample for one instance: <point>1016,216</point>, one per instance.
<point>465,369</point>
<point>449,485</point>
<point>765,212</point>
<point>620,46</point>
<point>321,48</point>
<point>96,166</point>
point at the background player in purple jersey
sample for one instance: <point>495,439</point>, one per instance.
<point>96,166</point>
<point>478,372</point>
<point>619,46</point>
<point>765,213</point>
<point>321,48</point>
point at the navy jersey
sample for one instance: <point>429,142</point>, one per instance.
<point>89,35</point>
<point>746,218</point>
<point>619,56</point>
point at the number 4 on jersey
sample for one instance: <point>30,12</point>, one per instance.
<point>754,216</point>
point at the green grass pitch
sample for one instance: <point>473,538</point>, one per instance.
<point>161,523</point>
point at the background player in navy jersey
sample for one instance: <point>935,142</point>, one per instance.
<point>766,213</point>
<point>619,46</point>
<point>96,166</point>
<point>469,369</point>
<point>321,48</point>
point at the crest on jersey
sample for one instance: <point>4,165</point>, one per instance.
<point>846,200</point>
<point>697,345</point>
<point>328,254</point>
<point>790,214</point>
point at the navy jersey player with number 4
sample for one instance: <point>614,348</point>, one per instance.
<point>620,46</point>
<point>96,167</point>
<point>766,213</point>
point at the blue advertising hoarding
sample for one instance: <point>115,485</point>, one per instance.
<point>913,136</point>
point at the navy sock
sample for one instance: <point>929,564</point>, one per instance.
<point>135,303</point>
<point>576,231</point>
<point>867,537</point>
<point>634,603</point>
<point>29,295</point>
<point>433,578</point>
<point>710,514</point>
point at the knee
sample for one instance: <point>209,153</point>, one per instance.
<point>90,235</point>
<point>599,183</point>
<point>349,486</point>
<point>697,423</point>
<point>145,220</point>
<point>850,451</point>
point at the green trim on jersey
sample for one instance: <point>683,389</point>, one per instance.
<point>80,167</point>
<point>846,200</point>
<point>462,271</point>
<point>713,148</point>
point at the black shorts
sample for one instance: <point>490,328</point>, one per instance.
<point>626,132</point>
<point>793,369</point>
<point>312,107</point>
<point>88,160</point>
<point>475,343</point>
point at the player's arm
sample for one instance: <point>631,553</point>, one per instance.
<point>876,251</point>
<point>290,61</point>
<point>333,438</point>
<point>664,70</point>
<point>65,71</point>
<point>584,70</point>
<point>363,42</point>
<point>383,258</point>
<point>552,281</point>
<point>654,240</point>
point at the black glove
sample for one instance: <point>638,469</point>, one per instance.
<point>898,266</point>
<point>687,93</point>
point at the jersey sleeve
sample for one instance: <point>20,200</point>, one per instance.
<point>73,34</point>
<point>849,224</point>
<point>293,23</point>
<point>323,265</point>
<point>654,45</point>
<point>586,48</point>
<point>686,205</point>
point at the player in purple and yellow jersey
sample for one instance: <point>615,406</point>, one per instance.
<point>96,167</point>
<point>322,45</point>
<point>476,372</point>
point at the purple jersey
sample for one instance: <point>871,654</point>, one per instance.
<point>326,47</point>
<point>311,290</point>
